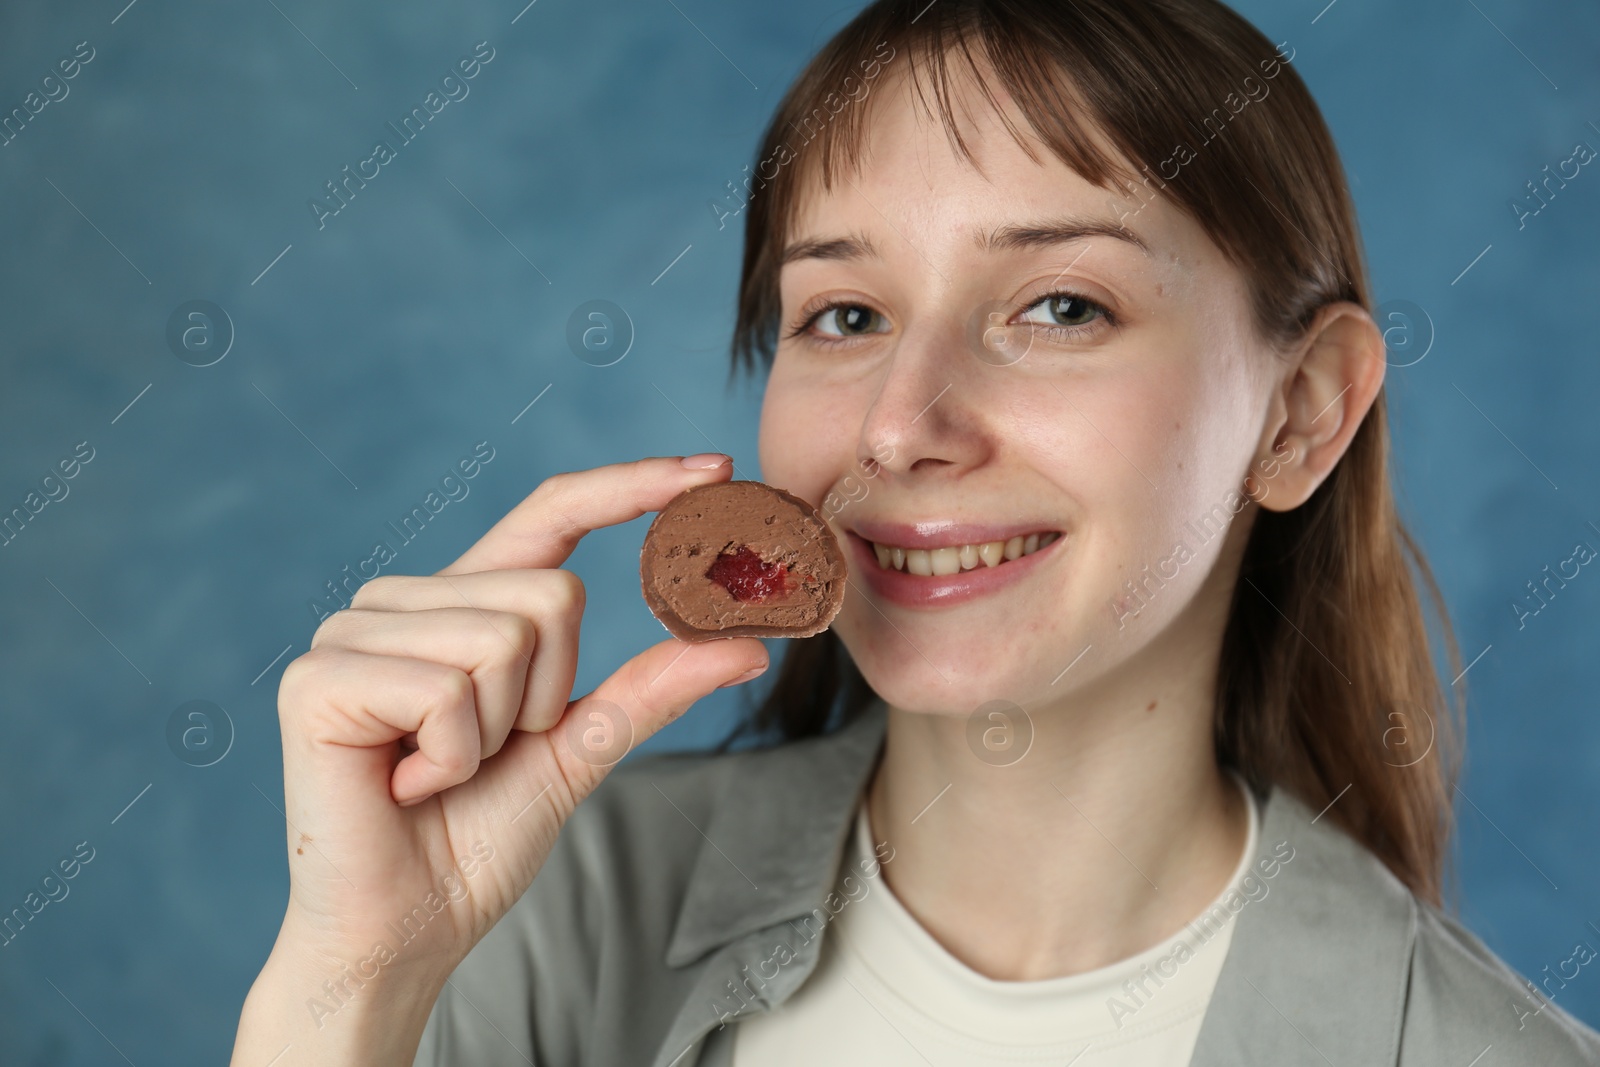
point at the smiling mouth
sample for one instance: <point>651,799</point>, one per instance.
<point>955,559</point>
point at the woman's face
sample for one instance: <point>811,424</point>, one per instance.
<point>949,400</point>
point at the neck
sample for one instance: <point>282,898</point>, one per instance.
<point>1114,829</point>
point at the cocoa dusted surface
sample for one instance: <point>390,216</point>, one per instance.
<point>701,524</point>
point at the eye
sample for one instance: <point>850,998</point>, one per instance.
<point>837,321</point>
<point>1066,314</point>
<point>1061,314</point>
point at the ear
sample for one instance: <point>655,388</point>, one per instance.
<point>1328,384</point>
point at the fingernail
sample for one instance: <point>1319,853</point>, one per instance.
<point>415,800</point>
<point>753,672</point>
<point>705,461</point>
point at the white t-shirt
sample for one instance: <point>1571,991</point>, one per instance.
<point>886,993</point>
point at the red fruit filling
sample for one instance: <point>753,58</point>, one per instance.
<point>746,577</point>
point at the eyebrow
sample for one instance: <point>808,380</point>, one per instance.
<point>855,246</point>
<point>1054,231</point>
<point>1039,234</point>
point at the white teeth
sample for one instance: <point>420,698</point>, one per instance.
<point>954,559</point>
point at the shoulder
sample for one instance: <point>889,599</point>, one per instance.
<point>1463,999</point>
<point>1367,971</point>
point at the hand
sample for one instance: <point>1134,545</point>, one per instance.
<point>431,749</point>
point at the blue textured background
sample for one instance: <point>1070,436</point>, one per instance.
<point>412,326</point>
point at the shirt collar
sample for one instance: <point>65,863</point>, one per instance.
<point>1329,941</point>
<point>776,837</point>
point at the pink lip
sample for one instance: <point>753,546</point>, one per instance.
<point>943,533</point>
<point>915,591</point>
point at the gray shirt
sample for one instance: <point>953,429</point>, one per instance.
<point>690,890</point>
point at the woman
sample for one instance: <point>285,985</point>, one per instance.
<point>1126,746</point>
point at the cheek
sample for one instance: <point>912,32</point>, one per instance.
<point>1119,438</point>
<point>1184,425</point>
<point>1105,442</point>
<point>1150,453</point>
<point>1218,419</point>
<point>806,437</point>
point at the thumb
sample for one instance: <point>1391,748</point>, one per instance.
<point>643,695</point>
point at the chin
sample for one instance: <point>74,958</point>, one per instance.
<point>935,683</point>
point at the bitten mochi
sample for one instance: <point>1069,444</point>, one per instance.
<point>741,559</point>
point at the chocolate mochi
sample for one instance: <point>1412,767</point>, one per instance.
<point>741,559</point>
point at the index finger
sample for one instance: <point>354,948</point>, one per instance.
<point>542,531</point>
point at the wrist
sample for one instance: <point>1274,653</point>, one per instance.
<point>334,1010</point>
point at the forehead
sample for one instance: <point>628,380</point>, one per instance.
<point>913,188</point>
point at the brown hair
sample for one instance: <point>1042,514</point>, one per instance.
<point>1326,673</point>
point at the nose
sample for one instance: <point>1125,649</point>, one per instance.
<point>923,418</point>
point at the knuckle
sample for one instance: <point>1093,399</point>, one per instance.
<point>337,628</point>
<point>380,590</point>
<point>550,502</point>
<point>451,689</point>
<point>639,689</point>
<point>453,703</point>
<point>448,703</point>
<point>563,480</point>
<point>567,593</point>
<point>520,637</point>
<point>302,681</point>
<point>303,670</point>
<point>324,632</point>
<point>552,489</point>
<point>458,764</point>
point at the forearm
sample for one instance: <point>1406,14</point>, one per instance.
<point>302,1011</point>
